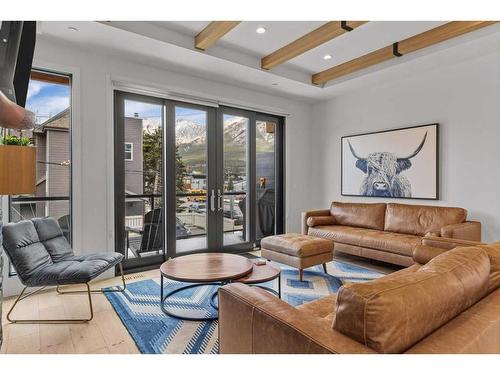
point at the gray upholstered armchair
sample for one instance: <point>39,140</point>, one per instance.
<point>42,257</point>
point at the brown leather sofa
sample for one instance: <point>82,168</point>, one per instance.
<point>449,305</point>
<point>387,232</point>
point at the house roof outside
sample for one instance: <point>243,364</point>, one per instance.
<point>57,122</point>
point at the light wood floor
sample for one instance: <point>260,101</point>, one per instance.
<point>105,334</point>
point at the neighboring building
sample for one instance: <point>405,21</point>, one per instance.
<point>53,155</point>
<point>134,178</point>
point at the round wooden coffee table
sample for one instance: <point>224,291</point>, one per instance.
<point>261,274</point>
<point>202,270</point>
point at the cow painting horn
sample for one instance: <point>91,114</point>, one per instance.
<point>354,152</point>
<point>417,150</point>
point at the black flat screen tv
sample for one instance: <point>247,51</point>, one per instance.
<point>17,46</point>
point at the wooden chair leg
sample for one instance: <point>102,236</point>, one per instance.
<point>324,268</point>
<point>301,274</point>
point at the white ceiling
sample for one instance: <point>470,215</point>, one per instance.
<point>236,57</point>
<point>364,39</point>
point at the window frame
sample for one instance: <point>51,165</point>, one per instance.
<point>131,151</point>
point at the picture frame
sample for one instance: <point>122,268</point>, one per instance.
<point>401,163</point>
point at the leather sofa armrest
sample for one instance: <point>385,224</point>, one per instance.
<point>423,254</point>
<point>468,230</point>
<point>307,214</point>
<point>448,243</point>
<point>252,320</point>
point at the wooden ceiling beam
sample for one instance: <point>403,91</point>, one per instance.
<point>428,38</point>
<point>50,78</point>
<point>212,33</point>
<point>315,38</point>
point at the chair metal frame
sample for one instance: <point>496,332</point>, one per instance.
<point>88,290</point>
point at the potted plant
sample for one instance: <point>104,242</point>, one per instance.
<point>17,164</point>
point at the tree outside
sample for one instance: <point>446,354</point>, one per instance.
<point>153,179</point>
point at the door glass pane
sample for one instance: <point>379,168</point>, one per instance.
<point>191,178</point>
<point>266,181</point>
<point>235,164</point>
<point>143,158</point>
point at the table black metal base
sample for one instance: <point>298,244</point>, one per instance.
<point>212,298</point>
<point>277,293</point>
<point>165,308</point>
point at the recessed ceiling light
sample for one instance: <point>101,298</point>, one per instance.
<point>260,30</point>
<point>5,40</point>
<point>327,57</point>
<point>72,28</point>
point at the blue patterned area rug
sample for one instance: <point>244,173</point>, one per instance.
<point>155,332</point>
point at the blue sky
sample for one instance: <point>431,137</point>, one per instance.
<point>47,99</point>
<point>195,115</point>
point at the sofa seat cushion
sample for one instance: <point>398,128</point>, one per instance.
<point>298,245</point>
<point>323,308</point>
<point>75,269</point>
<point>396,243</point>
<point>393,313</point>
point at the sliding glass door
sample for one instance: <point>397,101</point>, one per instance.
<point>139,179</point>
<point>192,159</point>
<point>192,178</point>
<point>236,173</point>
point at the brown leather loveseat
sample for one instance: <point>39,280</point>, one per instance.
<point>449,305</point>
<point>387,232</point>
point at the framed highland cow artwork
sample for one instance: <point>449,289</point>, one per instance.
<point>398,163</point>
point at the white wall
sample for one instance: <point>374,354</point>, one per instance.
<point>92,126</point>
<point>461,92</point>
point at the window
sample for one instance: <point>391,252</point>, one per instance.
<point>129,151</point>
<point>49,98</point>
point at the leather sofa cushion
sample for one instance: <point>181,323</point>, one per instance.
<point>493,251</point>
<point>298,245</point>
<point>25,251</point>
<point>363,215</point>
<point>52,237</point>
<point>323,308</point>
<point>394,312</point>
<point>396,243</point>
<point>474,331</point>
<point>419,220</point>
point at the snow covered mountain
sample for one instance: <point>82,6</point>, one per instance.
<point>189,133</point>
<point>191,137</point>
